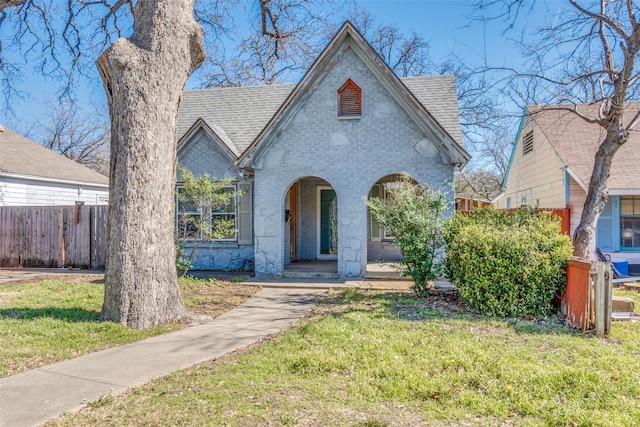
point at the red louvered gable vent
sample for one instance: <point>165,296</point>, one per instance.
<point>349,100</point>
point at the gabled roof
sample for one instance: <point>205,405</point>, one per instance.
<point>245,114</point>
<point>576,143</point>
<point>23,158</point>
<point>241,112</point>
<point>218,134</point>
<point>349,36</point>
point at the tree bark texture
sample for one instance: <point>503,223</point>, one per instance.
<point>597,194</point>
<point>624,46</point>
<point>144,77</point>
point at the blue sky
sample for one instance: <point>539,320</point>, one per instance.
<point>445,24</point>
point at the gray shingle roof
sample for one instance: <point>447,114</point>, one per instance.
<point>22,156</point>
<point>242,112</point>
<point>438,95</point>
<point>576,142</point>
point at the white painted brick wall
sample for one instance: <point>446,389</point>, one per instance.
<point>349,154</point>
<point>204,155</point>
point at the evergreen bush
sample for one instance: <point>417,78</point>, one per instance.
<point>507,263</point>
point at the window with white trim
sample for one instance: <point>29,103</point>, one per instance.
<point>630,222</point>
<point>226,215</point>
<point>222,220</point>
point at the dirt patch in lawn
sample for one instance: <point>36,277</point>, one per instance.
<point>218,298</point>
<point>210,296</point>
<point>439,303</point>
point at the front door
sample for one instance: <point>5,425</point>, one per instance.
<point>328,223</point>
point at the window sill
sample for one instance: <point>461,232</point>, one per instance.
<point>349,117</point>
<point>213,244</point>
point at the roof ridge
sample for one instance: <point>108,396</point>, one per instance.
<point>282,85</point>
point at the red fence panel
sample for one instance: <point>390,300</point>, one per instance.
<point>575,301</point>
<point>564,215</point>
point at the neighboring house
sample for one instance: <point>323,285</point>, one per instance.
<point>551,167</point>
<point>33,175</point>
<point>305,157</point>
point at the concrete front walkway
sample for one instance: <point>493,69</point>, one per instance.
<point>32,397</point>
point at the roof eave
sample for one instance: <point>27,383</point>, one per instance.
<point>498,197</point>
<point>53,180</point>
<point>200,123</point>
<point>577,179</point>
<point>513,151</point>
<point>624,191</point>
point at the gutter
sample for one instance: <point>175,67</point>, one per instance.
<point>53,180</point>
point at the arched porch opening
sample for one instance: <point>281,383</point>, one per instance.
<point>383,255</point>
<point>311,228</point>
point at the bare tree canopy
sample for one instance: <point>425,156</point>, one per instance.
<point>254,61</point>
<point>587,54</point>
<point>149,48</point>
<point>76,134</point>
<point>478,183</point>
<point>484,179</point>
<point>278,47</point>
<point>406,55</point>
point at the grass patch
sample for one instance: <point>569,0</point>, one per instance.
<point>52,320</point>
<point>388,359</point>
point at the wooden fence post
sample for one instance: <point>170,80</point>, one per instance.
<point>603,293</point>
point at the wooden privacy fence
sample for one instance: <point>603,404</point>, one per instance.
<point>565,215</point>
<point>53,236</point>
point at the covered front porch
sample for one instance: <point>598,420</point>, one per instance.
<point>328,269</point>
<point>329,233</point>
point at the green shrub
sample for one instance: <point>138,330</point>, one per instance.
<point>415,216</point>
<point>182,264</point>
<point>507,263</point>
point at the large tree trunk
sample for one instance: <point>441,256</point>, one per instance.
<point>144,77</point>
<point>597,194</point>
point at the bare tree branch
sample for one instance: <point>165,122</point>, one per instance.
<point>589,57</point>
<point>76,134</point>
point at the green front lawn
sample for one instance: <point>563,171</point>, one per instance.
<point>52,320</point>
<point>390,359</point>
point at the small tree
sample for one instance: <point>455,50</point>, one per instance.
<point>415,215</point>
<point>203,215</point>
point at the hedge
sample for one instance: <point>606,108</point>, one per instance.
<point>507,263</point>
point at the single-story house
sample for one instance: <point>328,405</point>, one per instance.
<point>33,175</point>
<point>551,167</point>
<point>305,156</point>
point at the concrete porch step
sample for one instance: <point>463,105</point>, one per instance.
<point>385,275</point>
<point>384,271</point>
<point>308,275</point>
